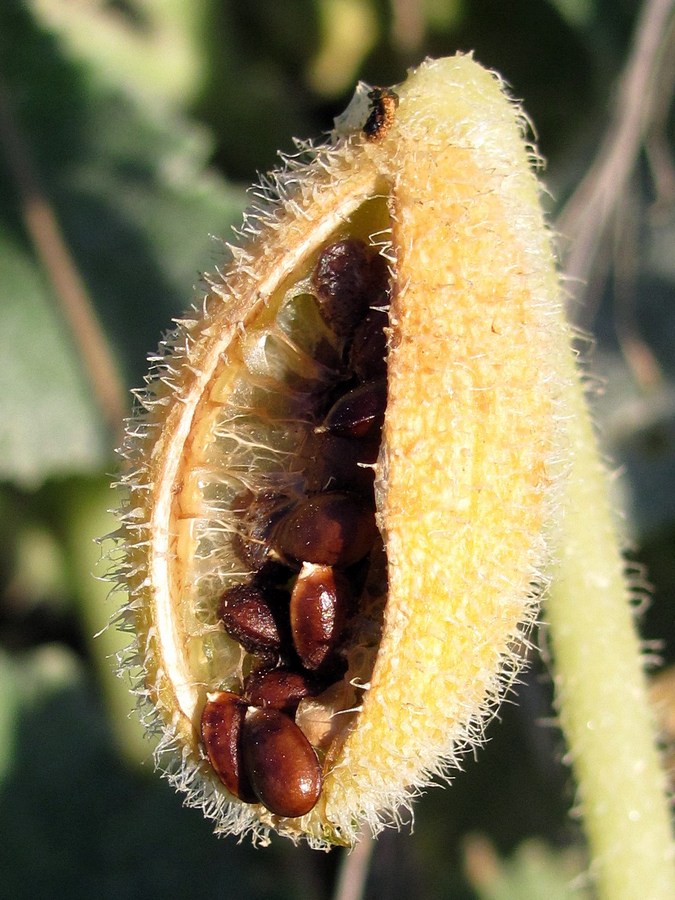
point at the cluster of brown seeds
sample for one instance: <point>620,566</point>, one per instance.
<point>308,554</point>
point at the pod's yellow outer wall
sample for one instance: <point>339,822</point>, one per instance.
<point>465,479</point>
<point>466,471</point>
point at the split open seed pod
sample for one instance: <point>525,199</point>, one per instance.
<point>342,466</point>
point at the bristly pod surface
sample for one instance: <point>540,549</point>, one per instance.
<point>341,469</point>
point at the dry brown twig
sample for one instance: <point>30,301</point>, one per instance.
<point>590,214</point>
<point>69,291</point>
<point>353,872</point>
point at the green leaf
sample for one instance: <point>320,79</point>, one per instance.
<point>133,40</point>
<point>127,181</point>
<point>78,824</point>
<point>49,422</point>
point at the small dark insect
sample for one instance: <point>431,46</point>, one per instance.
<point>383,103</point>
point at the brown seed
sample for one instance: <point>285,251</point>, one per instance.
<point>221,724</point>
<point>273,576</point>
<point>280,762</point>
<point>279,689</point>
<point>368,353</point>
<point>319,605</point>
<point>332,529</point>
<point>247,613</point>
<point>257,514</point>
<point>348,280</point>
<point>264,661</point>
<point>300,320</point>
<point>359,412</point>
<point>333,464</point>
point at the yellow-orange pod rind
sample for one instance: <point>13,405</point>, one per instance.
<point>465,480</point>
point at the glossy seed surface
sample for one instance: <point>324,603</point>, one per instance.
<point>221,724</point>
<point>247,614</point>
<point>348,280</point>
<point>281,764</point>
<point>336,464</point>
<point>279,689</point>
<point>318,610</point>
<point>224,466</point>
<point>358,412</point>
<point>332,529</point>
<point>368,352</point>
<point>257,514</point>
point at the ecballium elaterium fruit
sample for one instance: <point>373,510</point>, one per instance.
<point>342,466</point>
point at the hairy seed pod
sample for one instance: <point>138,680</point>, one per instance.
<point>433,214</point>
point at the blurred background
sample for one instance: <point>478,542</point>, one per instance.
<point>129,130</point>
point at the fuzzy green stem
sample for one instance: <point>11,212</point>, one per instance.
<point>601,687</point>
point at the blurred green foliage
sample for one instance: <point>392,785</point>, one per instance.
<point>144,121</point>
